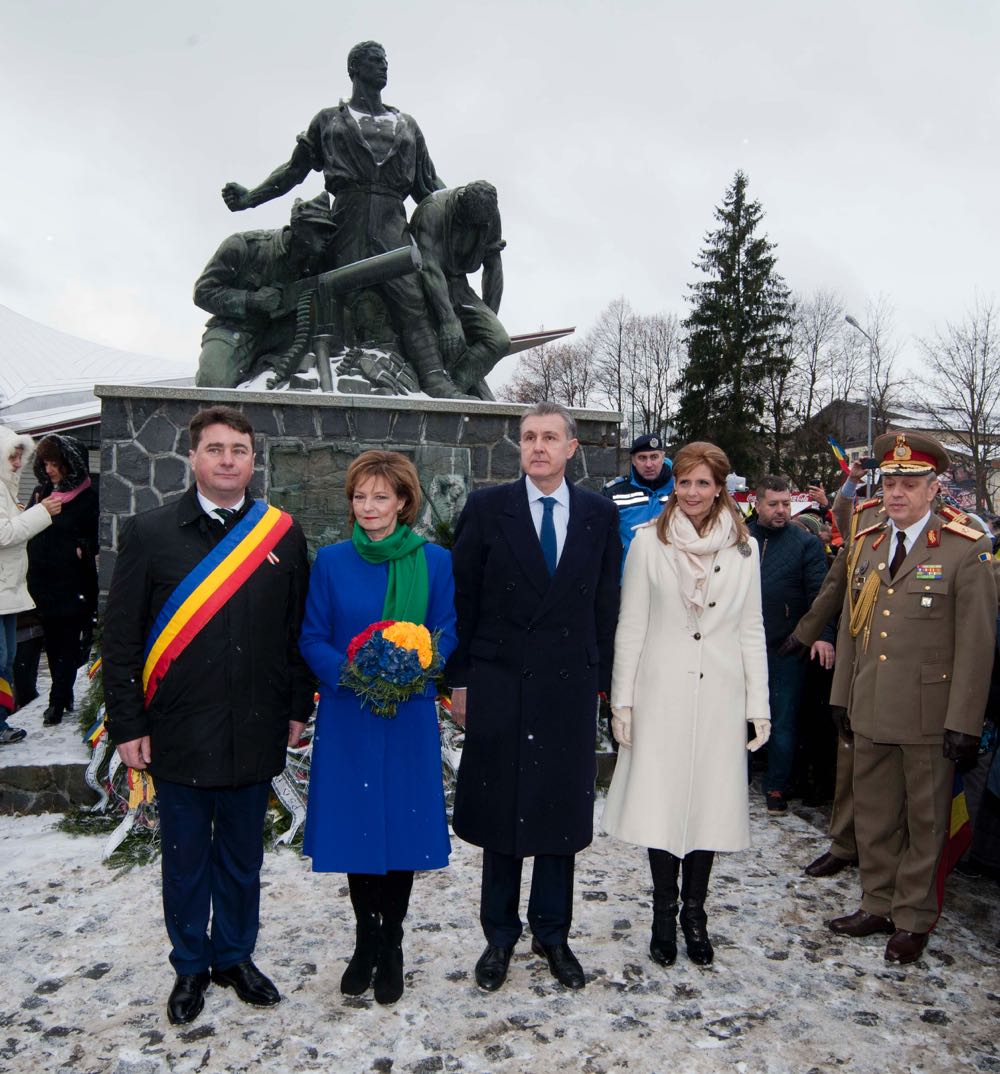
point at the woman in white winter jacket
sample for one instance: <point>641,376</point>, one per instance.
<point>690,671</point>
<point>16,528</point>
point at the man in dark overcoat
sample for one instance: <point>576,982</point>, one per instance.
<point>536,578</point>
<point>228,693</point>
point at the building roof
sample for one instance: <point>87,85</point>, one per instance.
<point>47,377</point>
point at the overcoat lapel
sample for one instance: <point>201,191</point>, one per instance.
<point>519,532</point>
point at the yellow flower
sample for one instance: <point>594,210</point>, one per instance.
<point>413,636</point>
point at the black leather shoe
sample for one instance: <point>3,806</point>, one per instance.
<point>53,715</point>
<point>828,865</point>
<point>251,985</point>
<point>562,962</point>
<point>491,969</point>
<point>187,997</point>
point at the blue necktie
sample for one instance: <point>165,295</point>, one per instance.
<point>548,534</point>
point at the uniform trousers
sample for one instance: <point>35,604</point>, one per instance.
<point>212,849</point>
<point>550,904</point>
<point>843,843</point>
<point>902,811</point>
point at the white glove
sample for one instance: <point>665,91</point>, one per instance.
<point>762,732</point>
<point>621,726</point>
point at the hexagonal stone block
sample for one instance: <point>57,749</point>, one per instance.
<point>157,435</point>
<point>132,463</point>
<point>170,474</point>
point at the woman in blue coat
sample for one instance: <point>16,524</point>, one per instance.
<point>376,796</point>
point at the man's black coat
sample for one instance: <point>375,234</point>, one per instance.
<point>533,651</point>
<point>220,716</point>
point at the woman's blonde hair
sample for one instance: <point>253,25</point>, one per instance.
<point>690,456</point>
<point>398,473</point>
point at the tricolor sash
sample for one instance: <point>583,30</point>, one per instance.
<point>207,588</point>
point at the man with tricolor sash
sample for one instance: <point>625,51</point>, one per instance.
<point>914,657</point>
<point>205,687</point>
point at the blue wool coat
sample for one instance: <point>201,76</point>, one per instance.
<point>376,795</point>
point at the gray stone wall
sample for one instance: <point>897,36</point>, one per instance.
<point>305,442</point>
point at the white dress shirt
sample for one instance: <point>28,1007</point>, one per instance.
<point>912,533</point>
<point>560,511</point>
<point>208,507</point>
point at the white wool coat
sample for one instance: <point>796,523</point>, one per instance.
<point>692,684</point>
<point>17,527</point>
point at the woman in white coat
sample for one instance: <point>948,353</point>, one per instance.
<point>16,528</point>
<point>690,671</point>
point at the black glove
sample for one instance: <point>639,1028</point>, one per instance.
<point>840,718</point>
<point>960,747</point>
<point>791,646</point>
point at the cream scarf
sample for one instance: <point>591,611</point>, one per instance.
<point>693,555</point>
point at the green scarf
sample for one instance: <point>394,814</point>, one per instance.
<point>408,590</point>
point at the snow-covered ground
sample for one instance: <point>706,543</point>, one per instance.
<point>86,975</point>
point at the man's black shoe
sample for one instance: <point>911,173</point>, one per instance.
<point>250,984</point>
<point>52,715</point>
<point>562,962</point>
<point>187,998</point>
<point>491,969</point>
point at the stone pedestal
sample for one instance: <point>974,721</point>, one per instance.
<point>305,442</point>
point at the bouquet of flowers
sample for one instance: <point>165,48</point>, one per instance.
<point>390,662</point>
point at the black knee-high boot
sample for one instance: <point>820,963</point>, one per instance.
<point>394,901</point>
<point>694,921</point>
<point>664,867</point>
<point>364,898</point>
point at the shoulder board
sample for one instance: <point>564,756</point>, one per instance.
<point>970,533</point>
<point>614,481</point>
<point>868,529</point>
<point>953,514</point>
<point>874,502</point>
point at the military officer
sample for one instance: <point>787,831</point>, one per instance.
<point>914,654</point>
<point>851,518</point>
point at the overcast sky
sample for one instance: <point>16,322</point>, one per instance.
<point>869,131</point>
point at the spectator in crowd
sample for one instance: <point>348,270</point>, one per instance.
<point>642,493</point>
<point>17,527</point>
<point>62,566</point>
<point>376,797</point>
<point>206,688</point>
<point>690,672</point>
<point>536,590</point>
<point>792,568</point>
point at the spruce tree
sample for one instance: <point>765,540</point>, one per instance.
<point>737,334</point>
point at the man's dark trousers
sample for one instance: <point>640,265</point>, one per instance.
<point>785,678</point>
<point>212,850</point>
<point>550,905</point>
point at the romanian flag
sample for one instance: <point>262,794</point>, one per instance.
<point>6,695</point>
<point>207,588</point>
<point>838,454</point>
<point>958,839</point>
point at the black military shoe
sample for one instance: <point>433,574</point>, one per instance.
<point>563,964</point>
<point>251,985</point>
<point>187,998</point>
<point>491,969</point>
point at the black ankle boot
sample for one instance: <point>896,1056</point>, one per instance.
<point>357,977</point>
<point>664,867</point>
<point>388,978</point>
<point>694,920</point>
<point>52,715</point>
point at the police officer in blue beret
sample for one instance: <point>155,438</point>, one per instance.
<point>642,494</point>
